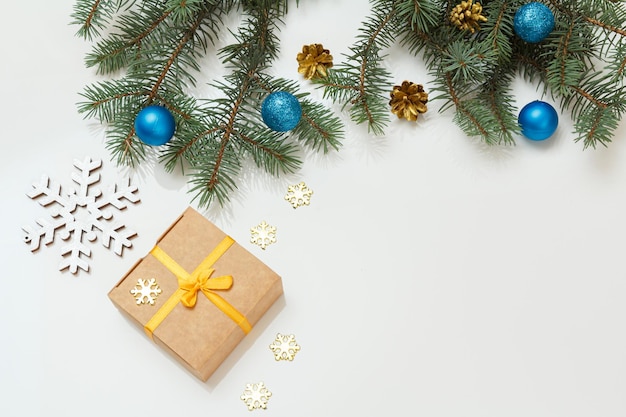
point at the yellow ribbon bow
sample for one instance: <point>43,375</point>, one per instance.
<point>199,280</point>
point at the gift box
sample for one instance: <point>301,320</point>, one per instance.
<point>197,293</point>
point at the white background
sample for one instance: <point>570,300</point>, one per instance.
<point>430,276</point>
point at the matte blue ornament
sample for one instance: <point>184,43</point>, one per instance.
<point>281,111</point>
<point>155,125</point>
<point>538,120</point>
<point>533,22</point>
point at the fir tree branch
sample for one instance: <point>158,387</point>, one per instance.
<point>369,47</point>
<point>211,184</point>
<point>609,28</point>
<point>174,56</point>
<point>317,130</point>
<point>618,66</point>
<point>598,103</point>
<point>422,15</point>
<point>158,43</point>
<point>273,152</point>
<point>93,16</point>
<point>461,108</point>
<point>361,82</point>
<point>498,29</point>
<point>567,66</point>
<point>90,16</point>
<point>494,96</point>
<point>105,99</point>
<point>110,55</point>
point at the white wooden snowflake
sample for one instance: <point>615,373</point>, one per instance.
<point>146,291</point>
<point>256,396</point>
<point>79,213</point>
<point>299,195</point>
<point>263,235</point>
<point>284,347</point>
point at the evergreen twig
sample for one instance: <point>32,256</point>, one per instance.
<point>472,72</point>
<point>158,44</point>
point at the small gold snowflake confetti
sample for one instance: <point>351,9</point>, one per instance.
<point>256,396</point>
<point>284,347</point>
<point>146,291</point>
<point>263,235</point>
<point>299,195</point>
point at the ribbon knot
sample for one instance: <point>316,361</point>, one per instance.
<point>200,280</point>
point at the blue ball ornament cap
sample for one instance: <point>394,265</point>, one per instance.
<point>533,22</point>
<point>155,125</point>
<point>281,111</point>
<point>538,120</point>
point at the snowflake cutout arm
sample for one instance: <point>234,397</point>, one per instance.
<point>45,231</point>
<point>146,291</point>
<point>67,221</point>
<point>48,192</point>
<point>299,195</point>
<point>120,235</point>
<point>284,347</point>
<point>74,254</point>
<point>263,235</point>
<point>256,396</point>
<point>120,195</point>
<point>49,195</point>
<point>85,178</point>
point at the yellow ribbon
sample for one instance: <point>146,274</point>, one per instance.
<point>199,280</point>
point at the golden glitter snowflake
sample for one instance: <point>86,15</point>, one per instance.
<point>256,396</point>
<point>284,347</point>
<point>299,195</point>
<point>263,235</point>
<point>146,291</point>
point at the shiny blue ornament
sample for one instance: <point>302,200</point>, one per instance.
<point>533,22</point>
<point>155,125</point>
<point>281,111</point>
<point>538,120</point>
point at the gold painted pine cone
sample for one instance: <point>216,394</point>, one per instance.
<point>314,60</point>
<point>408,100</point>
<point>467,15</point>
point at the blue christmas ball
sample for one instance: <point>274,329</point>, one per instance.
<point>281,111</point>
<point>538,120</point>
<point>533,22</point>
<point>155,125</point>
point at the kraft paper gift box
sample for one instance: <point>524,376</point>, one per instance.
<point>212,291</point>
